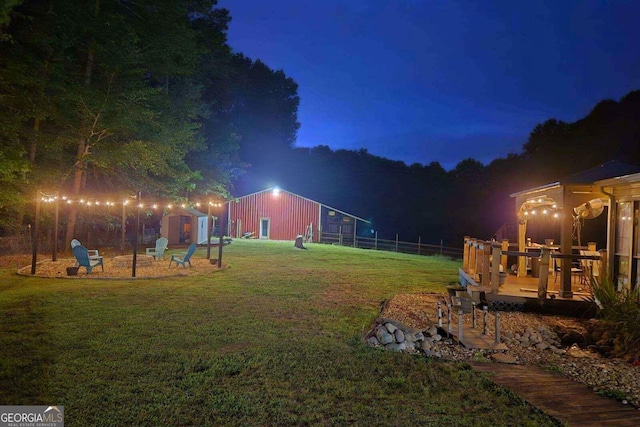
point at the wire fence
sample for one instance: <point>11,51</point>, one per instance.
<point>396,245</point>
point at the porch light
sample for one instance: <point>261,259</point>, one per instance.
<point>276,191</point>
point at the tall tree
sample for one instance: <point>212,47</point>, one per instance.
<point>113,90</point>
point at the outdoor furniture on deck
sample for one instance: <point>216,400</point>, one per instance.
<point>158,252</point>
<point>557,268</point>
<point>84,260</point>
<point>183,258</point>
<point>590,267</point>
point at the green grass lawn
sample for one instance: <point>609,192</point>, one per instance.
<point>273,340</point>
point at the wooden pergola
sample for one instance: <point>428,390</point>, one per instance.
<point>561,197</point>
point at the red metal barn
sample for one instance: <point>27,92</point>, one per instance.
<point>280,215</point>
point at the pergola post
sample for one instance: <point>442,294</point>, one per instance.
<point>209,230</point>
<point>522,235</point>
<point>221,241</point>
<point>35,234</point>
<point>135,237</point>
<point>543,277</point>
<point>503,258</point>
<point>566,248</point>
<point>56,220</point>
<point>496,250</point>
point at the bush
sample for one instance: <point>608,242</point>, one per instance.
<point>621,309</point>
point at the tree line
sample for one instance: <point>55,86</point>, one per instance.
<point>425,200</point>
<point>116,96</point>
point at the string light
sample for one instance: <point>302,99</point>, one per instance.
<point>543,205</point>
<point>101,203</point>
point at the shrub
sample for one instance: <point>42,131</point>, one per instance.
<point>621,309</point>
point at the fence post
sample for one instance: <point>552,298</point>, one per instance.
<point>440,247</point>
<point>460,318</point>
<point>419,243</point>
<point>497,327</point>
<point>396,242</point>
<point>340,236</point>
<point>376,241</point>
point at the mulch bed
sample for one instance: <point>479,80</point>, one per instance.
<point>158,269</point>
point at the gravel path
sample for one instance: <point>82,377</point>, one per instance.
<point>611,377</point>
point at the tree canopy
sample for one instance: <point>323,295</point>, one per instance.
<point>119,96</point>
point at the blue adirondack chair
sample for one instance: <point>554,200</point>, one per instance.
<point>158,251</point>
<point>183,258</point>
<point>93,253</point>
<point>82,256</point>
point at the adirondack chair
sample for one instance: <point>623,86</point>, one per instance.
<point>82,256</point>
<point>183,258</point>
<point>158,252</point>
<point>93,253</point>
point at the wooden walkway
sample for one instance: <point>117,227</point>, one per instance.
<point>568,401</point>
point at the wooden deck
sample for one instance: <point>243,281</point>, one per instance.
<point>567,401</point>
<point>524,291</point>
<point>528,287</point>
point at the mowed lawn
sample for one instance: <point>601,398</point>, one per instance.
<point>273,340</point>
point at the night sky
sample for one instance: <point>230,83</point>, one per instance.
<point>427,80</point>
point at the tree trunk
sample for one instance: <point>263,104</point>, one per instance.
<point>83,146</point>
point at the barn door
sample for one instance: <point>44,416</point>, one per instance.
<point>264,228</point>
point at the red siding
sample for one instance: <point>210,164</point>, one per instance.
<point>289,214</point>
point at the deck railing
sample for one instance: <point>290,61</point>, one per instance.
<point>478,265</point>
<point>396,245</point>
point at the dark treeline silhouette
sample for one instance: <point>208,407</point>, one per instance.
<point>471,199</point>
<point>147,96</point>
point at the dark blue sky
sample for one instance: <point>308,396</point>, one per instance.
<point>439,80</point>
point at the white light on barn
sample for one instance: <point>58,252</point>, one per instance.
<point>276,191</point>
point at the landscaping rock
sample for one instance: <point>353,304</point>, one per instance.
<point>390,327</point>
<point>396,346</point>
<point>383,336</point>
<point>399,335</point>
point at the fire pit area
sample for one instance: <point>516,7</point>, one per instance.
<point>127,261</point>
